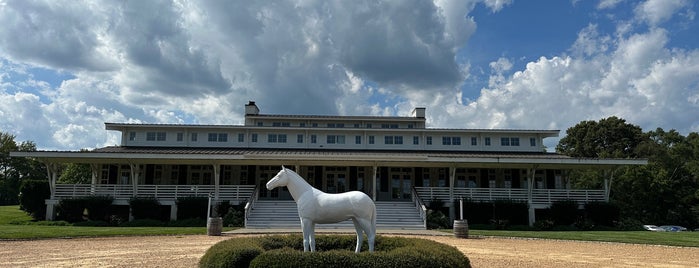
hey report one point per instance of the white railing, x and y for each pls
(123, 191)
(420, 206)
(539, 196)
(250, 205)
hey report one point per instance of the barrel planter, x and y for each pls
(214, 226)
(461, 228)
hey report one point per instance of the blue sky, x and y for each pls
(66, 67)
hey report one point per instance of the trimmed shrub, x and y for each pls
(476, 212)
(512, 212)
(602, 213)
(95, 208)
(145, 208)
(233, 215)
(437, 220)
(192, 207)
(143, 223)
(32, 196)
(332, 251)
(564, 212)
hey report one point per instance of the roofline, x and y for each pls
(329, 157)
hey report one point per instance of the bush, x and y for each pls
(332, 251)
(602, 213)
(234, 216)
(477, 212)
(564, 212)
(188, 223)
(143, 223)
(511, 212)
(192, 207)
(95, 208)
(437, 220)
(145, 208)
(32, 196)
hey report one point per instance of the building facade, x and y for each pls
(390, 158)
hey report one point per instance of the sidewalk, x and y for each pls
(338, 231)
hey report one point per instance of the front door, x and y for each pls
(265, 173)
(336, 180)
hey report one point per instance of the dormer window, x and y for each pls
(156, 136)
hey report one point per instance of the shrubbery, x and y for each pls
(192, 207)
(94, 208)
(332, 251)
(32, 196)
(145, 208)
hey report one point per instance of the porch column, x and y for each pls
(373, 182)
(531, 174)
(217, 180)
(52, 173)
(135, 171)
(450, 204)
(608, 184)
(94, 168)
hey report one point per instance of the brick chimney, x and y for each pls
(251, 109)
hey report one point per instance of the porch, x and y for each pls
(540, 198)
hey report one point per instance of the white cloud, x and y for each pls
(655, 12)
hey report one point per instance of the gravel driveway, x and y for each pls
(185, 251)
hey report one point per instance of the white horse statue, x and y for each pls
(315, 206)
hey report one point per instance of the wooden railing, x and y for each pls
(165, 192)
(420, 206)
(250, 204)
(539, 196)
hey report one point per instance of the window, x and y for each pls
(428, 140)
(368, 125)
(411, 125)
(336, 125)
(357, 139)
(223, 137)
(194, 136)
(514, 141)
(393, 139)
(451, 140)
(532, 141)
(180, 136)
(371, 139)
(156, 136)
(416, 140)
(302, 124)
(241, 137)
(281, 124)
(132, 136)
(487, 141)
(389, 125)
(213, 137)
(259, 124)
(474, 141)
(253, 138)
(505, 141)
(356, 125)
(276, 138)
(333, 139)
(299, 138)
(314, 125)
(314, 139)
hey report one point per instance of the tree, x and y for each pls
(610, 137)
(76, 173)
(14, 170)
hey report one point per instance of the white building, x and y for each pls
(389, 158)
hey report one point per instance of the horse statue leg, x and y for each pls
(309, 236)
(360, 237)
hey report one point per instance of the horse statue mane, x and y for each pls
(315, 206)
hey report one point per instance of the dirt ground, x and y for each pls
(185, 251)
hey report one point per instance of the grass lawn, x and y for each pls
(15, 224)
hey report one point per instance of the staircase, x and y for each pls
(282, 214)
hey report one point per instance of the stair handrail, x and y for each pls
(250, 204)
(420, 206)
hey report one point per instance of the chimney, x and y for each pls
(251, 109)
(419, 112)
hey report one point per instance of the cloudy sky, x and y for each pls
(66, 67)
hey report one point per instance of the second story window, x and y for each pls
(156, 136)
(532, 141)
(314, 139)
(299, 138)
(506, 141)
(357, 139)
(474, 141)
(428, 140)
(194, 136)
(132, 136)
(241, 137)
(335, 139)
(180, 136)
(218, 137)
(451, 140)
(393, 139)
(276, 138)
(253, 137)
(416, 140)
(371, 139)
(487, 141)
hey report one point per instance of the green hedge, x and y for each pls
(192, 207)
(602, 213)
(332, 251)
(145, 208)
(564, 212)
(73, 209)
(32, 198)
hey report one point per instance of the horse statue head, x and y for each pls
(281, 179)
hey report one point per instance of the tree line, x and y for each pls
(666, 191)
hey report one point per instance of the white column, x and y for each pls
(608, 185)
(135, 171)
(373, 181)
(52, 173)
(531, 174)
(450, 204)
(94, 168)
(217, 180)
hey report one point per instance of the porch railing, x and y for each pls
(420, 205)
(539, 196)
(167, 192)
(250, 205)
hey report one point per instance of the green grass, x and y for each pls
(15, 224)
(684, 239)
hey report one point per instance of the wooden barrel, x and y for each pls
(461, 228)
(214, 226)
